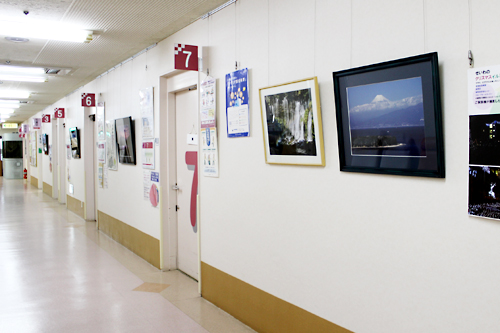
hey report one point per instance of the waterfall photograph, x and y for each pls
(290, 123)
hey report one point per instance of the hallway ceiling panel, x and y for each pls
(121, 29)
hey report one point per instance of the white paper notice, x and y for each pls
(237, 120)
(147, 112)
(210, 154)
(146, 183)
(207, 103)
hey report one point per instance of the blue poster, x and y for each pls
(237, 108)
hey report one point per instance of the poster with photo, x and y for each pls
(484, 142)
(208, 103)
(100, 121)
(111, 152)
(237, 107)
(148, 154)
(210, 154)
(101, 152)
(146, 104)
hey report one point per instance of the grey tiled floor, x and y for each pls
(59, 274)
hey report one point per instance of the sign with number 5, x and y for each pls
(46, 118)
(186, 57)
(88, 100)
(59, 113)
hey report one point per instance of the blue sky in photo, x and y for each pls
(392, 90)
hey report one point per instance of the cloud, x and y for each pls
(380, 103)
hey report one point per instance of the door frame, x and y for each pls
(169, 84)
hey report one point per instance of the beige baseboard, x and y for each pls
(260, 310)
(47, 189)
(75, 206)
(142, 244)
(34, 181)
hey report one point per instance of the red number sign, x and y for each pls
(46, 118)
(186, 57)
(59, 113)
(88, 100)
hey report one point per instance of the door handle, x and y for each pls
(175, 187)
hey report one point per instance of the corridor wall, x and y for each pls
(371, 253)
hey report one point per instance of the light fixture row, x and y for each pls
(45, 30)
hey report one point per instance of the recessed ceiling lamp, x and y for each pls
(17, 39)
(6, 111)
(14, 94)
(45, 30)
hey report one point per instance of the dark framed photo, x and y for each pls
(389, 118)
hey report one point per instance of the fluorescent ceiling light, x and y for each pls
(17, 70)
(45, 30)
(9, 106)
(9, 101)
(14, 94)
(6, 111)
(22, 78)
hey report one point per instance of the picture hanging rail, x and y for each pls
(389, 118)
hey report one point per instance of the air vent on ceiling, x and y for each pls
(57, 71)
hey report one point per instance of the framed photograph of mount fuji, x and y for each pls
(389, 118)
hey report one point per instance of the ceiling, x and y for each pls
(122, 28)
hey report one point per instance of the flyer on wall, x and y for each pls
(111, 152)
(210, 154)
(146, 103)
(207, 102)
(148, 154)
(100, 121)
(101, 152)
(237, 108)
(484, 141)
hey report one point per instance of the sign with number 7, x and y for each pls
(88, 100)
(186, 57)
(59, 113)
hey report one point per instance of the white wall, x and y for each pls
(372, 253)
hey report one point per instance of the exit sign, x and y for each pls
(9, 125)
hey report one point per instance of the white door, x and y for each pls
(186, 123)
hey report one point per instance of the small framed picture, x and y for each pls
(389, 118)
(291, 122)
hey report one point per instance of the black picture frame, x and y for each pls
(397, 134)
(125, 140)
(74, 135)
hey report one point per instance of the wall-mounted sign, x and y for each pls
(9, 125)
(25, 128)
(59, 113)
(186, 57)
(37, 123)
(88, 100)
(46, 118)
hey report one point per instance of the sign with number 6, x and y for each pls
(186, 57)
(88, 100)
(46, 118)
(59, 113)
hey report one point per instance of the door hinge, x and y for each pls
(176, 208)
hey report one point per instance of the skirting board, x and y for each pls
(75, 206)
(34, 181)
(47, 189)
(142, 244)
(260, 310)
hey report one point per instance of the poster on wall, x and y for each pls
(100, 121)
(101, 152)
(100, 175)
(146, 183)
(210, 154)
(37, 123)
(111, 153)
(147, 112)
(207, 102)
(484, 141)
(148, 154)
(237, 108)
